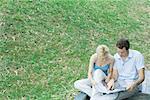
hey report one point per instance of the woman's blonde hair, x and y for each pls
(102, 52)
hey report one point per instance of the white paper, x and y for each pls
(103, 89)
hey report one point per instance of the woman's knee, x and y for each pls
(98, 75)
(77, 84)
(82, 83)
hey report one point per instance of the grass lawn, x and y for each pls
(45, 45)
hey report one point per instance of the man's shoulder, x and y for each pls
(136, 53)
(116, 55)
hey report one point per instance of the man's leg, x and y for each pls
(126, 94)
(84, 85)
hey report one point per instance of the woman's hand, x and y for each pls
(111, 84)
(90, 76)
(91, 79)
(93, 82)
(107, 79)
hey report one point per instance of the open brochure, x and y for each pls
(114, 91)
(103, 89)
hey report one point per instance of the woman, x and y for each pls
(99, 73)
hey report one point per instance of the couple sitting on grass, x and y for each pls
(125, 69)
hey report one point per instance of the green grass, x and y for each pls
(45, 45)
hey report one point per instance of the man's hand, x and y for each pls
(131, 86)
(111, 84)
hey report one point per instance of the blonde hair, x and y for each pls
(102, 52)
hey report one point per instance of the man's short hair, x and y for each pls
(123, 43)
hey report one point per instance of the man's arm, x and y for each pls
(140, 67)
(141, 78)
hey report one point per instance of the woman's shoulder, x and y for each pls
(94, 56)
(111, 58)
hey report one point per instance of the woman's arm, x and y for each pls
(91, 64)
(110, 71)
(114, 77)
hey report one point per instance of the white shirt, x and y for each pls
(128, 69)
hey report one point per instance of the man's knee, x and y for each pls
(126, 94)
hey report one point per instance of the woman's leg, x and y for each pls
(84, 85)
(98, 76)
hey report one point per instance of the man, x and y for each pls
(128, 69)
(128, 72)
